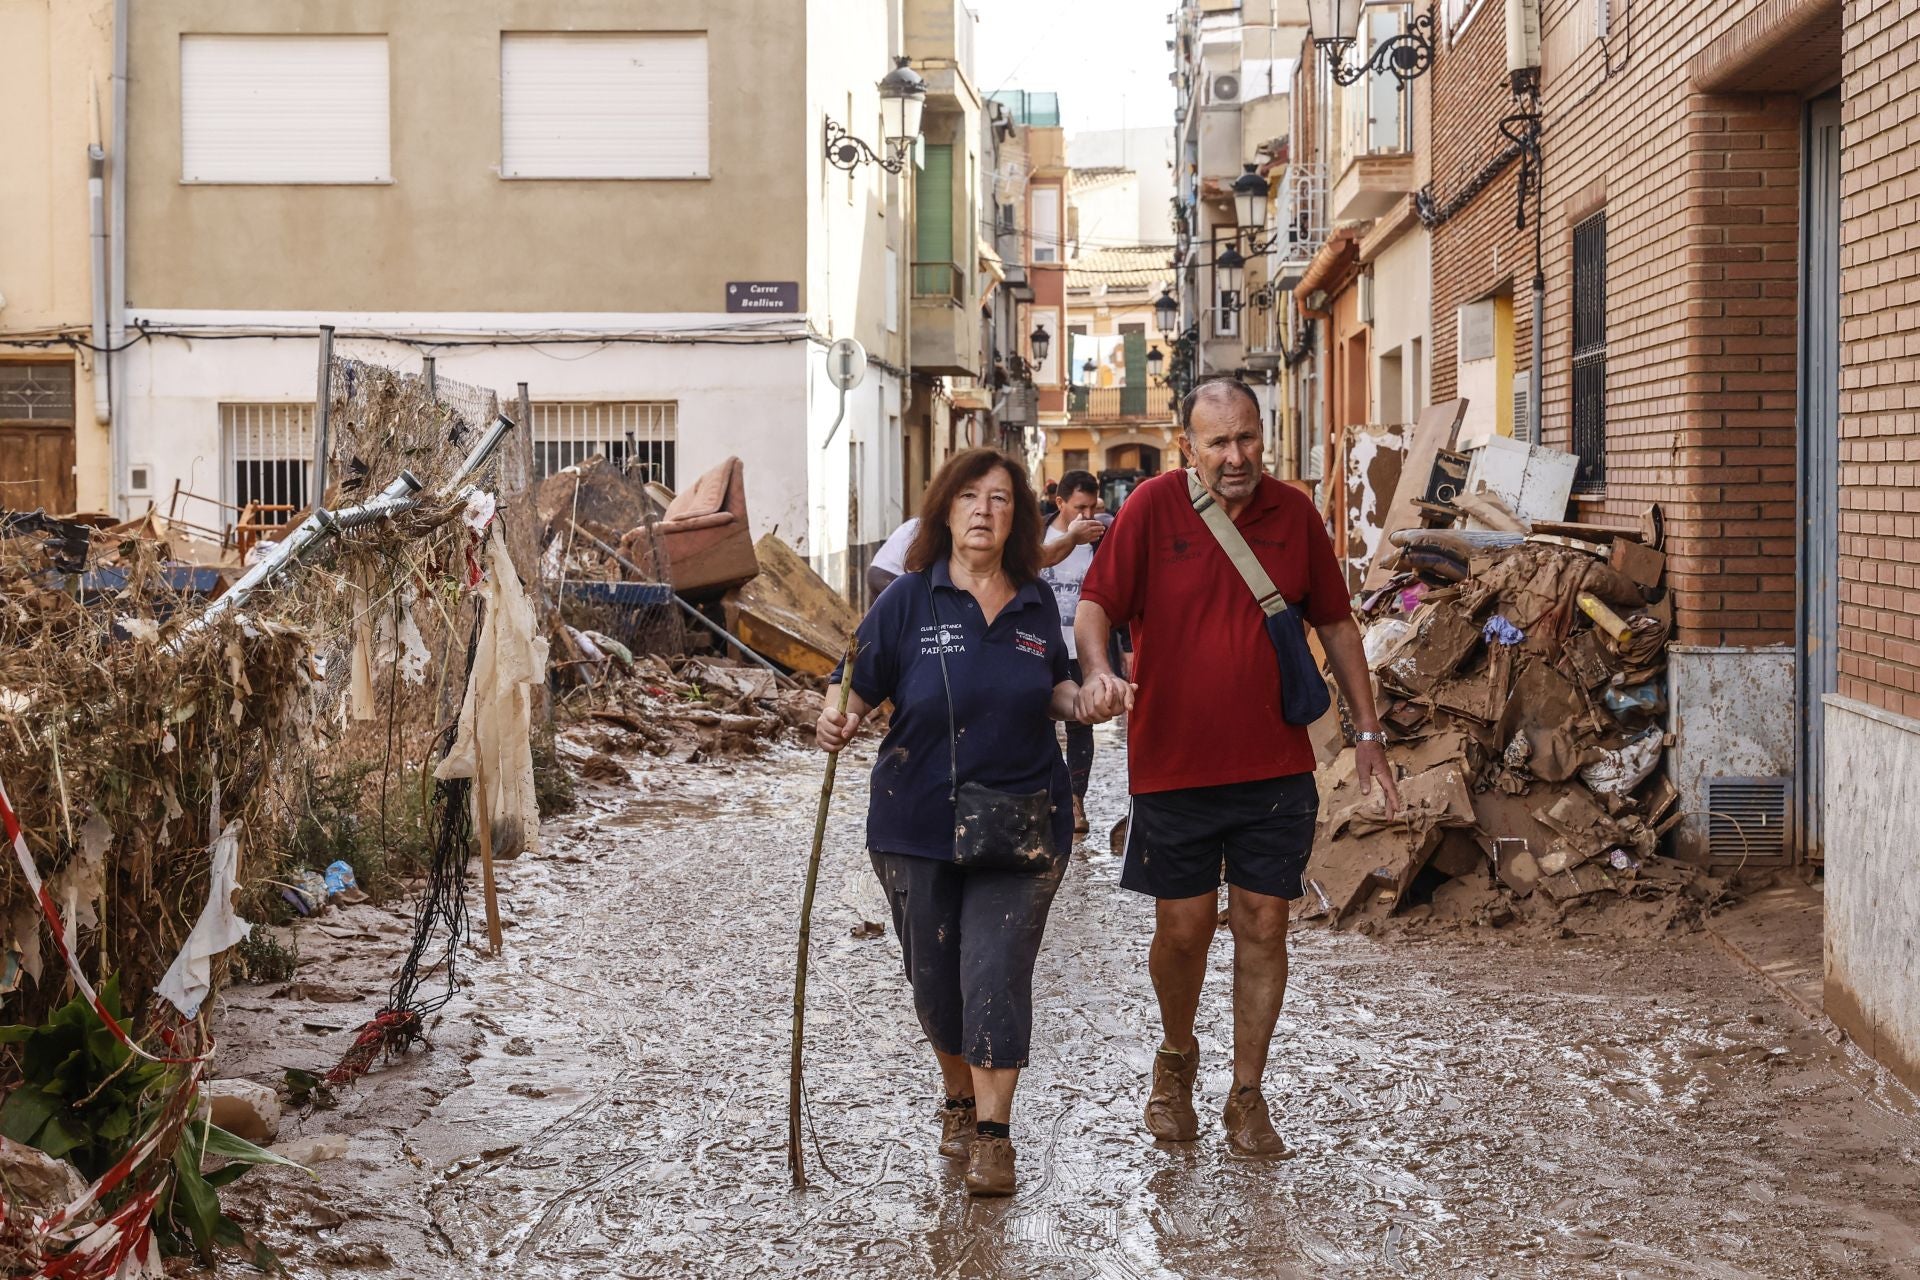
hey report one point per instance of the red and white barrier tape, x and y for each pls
(122, 1242)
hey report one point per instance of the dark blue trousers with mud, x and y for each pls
(970, 939)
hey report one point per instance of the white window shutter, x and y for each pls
(603, 105)
(293, 109)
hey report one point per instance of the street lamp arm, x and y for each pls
(847, 153)
(1407, 55)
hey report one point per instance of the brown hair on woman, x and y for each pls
(933, 541)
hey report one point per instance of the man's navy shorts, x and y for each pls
(1257, 834)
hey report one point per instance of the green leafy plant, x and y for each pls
(82, 1093)
(84, 1097)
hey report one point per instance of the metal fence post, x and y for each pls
(322, 416)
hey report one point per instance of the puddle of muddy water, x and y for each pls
(1457, 1108)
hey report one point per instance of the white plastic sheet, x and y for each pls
(496, 717)
(190, 978)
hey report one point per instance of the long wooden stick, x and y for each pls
(796, 1161)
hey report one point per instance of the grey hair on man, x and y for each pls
(1221, 392)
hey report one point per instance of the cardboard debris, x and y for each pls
(1443, 636)
(1497, 690)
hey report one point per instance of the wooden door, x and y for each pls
(36, 436)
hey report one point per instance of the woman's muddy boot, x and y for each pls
(1079, 816)
(956, 1128)
(1170, 1116)
(990, 1167)
(1249, 1128)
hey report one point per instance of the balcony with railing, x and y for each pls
(944, 330)
(1120, 404)
(1376, 169)
(1299, 222)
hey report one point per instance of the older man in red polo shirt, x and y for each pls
(1220, 780)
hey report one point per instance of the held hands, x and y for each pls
(835, 729)
(1370, 762)
(1104, 696)
(1086, 530)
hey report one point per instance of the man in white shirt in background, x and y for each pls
(890, 561)
(1064, 557)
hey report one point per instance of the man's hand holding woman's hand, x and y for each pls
(836, 728)
(1104, 696)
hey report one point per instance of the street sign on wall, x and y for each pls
(781, 296)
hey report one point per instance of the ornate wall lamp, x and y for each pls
(903, 95)
(1406, 56)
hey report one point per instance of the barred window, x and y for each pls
(645, 432)
(1590, 354)
(269, 456)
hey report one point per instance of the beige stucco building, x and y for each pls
(56, 97)
(627, 204)
(1119, 418)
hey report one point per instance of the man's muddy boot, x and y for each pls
(1079, 816)
(956, 1130)
(1249, 1128)
(1170, 1116)
(990, 1167)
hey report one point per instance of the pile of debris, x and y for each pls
(688, 709)
(1520, 670)
(675, 634)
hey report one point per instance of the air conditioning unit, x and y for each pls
(1225, 87)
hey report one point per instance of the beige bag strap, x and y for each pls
(1221, 525)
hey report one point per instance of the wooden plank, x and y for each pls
(1433, 432)
(789, 614)
(1587, 532)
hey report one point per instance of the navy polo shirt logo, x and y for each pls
(1027, 642)
(940, 637)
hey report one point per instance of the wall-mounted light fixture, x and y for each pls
(1336, 24)
(903, 95)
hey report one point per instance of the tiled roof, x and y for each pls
(1123, 268)
(1100, 175)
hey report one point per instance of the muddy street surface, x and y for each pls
(609, 1098)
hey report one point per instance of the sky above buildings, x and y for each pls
(1107, 60)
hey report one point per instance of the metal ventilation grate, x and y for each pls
(1756, 808)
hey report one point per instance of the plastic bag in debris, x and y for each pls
(612, 648)
(588, 649)
(339, 878)
(1636, 704)
(1498, 629)
(307, 895)
(189, 979)
(1384, 641)
(1621, 770)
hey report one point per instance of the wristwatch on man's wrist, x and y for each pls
(1370, 735)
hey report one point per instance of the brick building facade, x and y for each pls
(1736, 178)
(1872, 723)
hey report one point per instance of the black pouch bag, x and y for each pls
(992, 830)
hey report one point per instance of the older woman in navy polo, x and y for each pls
(971, 602)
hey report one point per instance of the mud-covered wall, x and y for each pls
(1873, 881)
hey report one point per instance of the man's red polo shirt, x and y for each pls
(1208, 710)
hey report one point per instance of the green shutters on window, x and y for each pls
(933, 224)
(1133, 396)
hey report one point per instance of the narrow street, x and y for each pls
(609, 1099)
